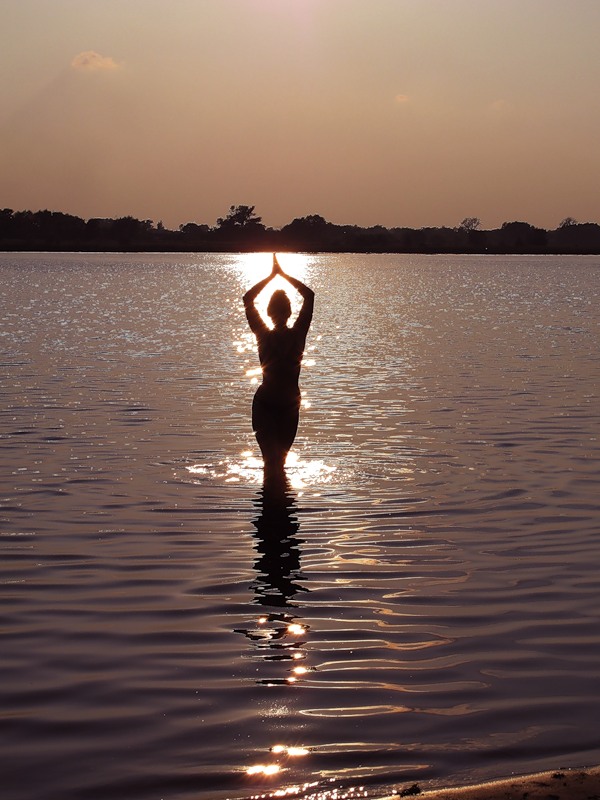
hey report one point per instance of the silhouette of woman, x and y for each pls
(276, 404)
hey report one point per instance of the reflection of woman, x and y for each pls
(277, 547)
(276, 404)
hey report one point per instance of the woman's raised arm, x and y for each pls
(308, 296)
(254, 319)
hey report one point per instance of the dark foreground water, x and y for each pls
(423, 604)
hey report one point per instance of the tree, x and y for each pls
(193, 229)
(129, 230)
(312, 232)
(6, 221)
(522, 237)
(240, 217)
(470, 224)
(567, 222)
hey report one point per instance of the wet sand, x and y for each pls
(569, 784)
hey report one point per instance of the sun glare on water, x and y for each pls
(248, 468)
(253, 267)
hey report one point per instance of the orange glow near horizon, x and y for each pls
(395, 130)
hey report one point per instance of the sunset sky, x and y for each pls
(398, 112)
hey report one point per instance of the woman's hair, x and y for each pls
(279, 304)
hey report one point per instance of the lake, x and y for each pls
(423, 604)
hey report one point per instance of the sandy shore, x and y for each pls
(569, 784)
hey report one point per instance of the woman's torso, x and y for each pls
(280, 352)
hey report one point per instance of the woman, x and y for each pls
(276, 404)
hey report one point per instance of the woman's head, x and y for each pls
(279, 308)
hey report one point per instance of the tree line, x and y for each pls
(242, 230)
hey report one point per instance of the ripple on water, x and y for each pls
(421, 604)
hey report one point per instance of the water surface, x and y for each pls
(423, 605)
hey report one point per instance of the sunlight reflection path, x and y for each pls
(253, 267)
(279, 637)
(301, 473)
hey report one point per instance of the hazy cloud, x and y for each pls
(90, 60)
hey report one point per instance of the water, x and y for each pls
(424, 605)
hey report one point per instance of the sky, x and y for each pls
(408, 113)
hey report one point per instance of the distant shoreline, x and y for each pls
(310, 252)
(243, 231)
